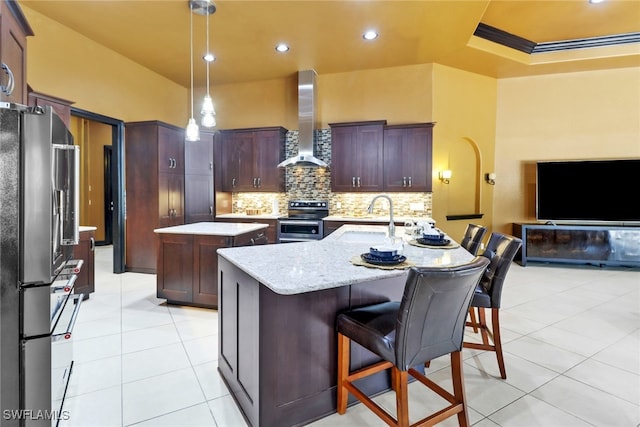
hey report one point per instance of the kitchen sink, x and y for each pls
(364, 237)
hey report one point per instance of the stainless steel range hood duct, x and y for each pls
(307, 122)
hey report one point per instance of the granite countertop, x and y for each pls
(87, 228)
(245, 216)
(293, 268)
(213, 228)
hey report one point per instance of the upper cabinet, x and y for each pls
(407, 157)
(14, 30)
(60, 106)
(371, 156)
(356, 156)
(250, 159)
(199, 198)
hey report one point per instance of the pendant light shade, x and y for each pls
(192, 132)
(208, 112)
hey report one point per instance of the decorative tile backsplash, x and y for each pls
(314, 183)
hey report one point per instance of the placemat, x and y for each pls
(450, 245)
(357, 260)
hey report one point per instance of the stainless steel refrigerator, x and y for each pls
(39, 202)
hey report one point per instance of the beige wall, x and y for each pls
(398, 95)
(587, 115)
(63, 63)
(464, 106)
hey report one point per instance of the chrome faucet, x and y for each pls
(392, 226)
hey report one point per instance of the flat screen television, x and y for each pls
(601, 191)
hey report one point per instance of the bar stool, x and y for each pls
(472, 238)
(427, 323)
(501, 250)
(471, 241)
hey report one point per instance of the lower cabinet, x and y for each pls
(85, 250)
(187, 268)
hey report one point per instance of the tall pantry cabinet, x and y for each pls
(154, 158)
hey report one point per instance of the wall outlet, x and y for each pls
(239, 203)
(338, 205)
(416, 206)
(258, 204)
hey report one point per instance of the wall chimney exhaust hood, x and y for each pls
(307, 122)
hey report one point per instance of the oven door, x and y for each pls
(299, 230)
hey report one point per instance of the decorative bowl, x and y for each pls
(383, 252)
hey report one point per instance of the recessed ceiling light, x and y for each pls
(209, 57)
(281, 47)
(595, 1)
(370, 35)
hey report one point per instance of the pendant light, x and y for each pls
(208, 112)
(192, 132)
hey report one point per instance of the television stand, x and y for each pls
(602, 245)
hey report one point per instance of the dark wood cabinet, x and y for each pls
(14, 30)
(357, 156)
(371, 156)
(579, 244)
(187, 265)
(61, 107)
(85, 250)
(408, 157)
(154, 158)
(174, 268)
(199, 204)
(250, 159)
(271, 232)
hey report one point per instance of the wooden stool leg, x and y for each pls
(402, 396)
(483, 326)
(497, 341)
(343, 372)
(458, 387)
(474, 321)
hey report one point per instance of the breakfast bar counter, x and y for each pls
(277, 309)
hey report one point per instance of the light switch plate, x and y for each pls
(416, 206)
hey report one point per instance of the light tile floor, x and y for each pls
(571, 340)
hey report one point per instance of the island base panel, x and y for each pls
(293, 339)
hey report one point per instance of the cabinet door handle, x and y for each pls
(170, 162)
(259, 182)
(210, 210)
(358, 181)
(353, 181)
(233, 183)
(8, 89)
(210, 165)
(92, 246)
(404, 181)
(409, 181)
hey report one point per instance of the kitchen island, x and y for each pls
(278, 303)
(187, 264)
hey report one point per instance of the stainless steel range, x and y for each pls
(303, 222)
